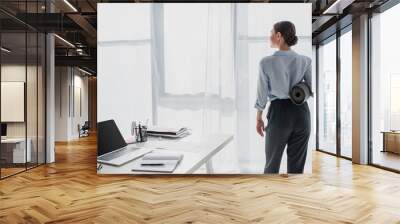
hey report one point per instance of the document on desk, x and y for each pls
(158, 162)
(168, 132)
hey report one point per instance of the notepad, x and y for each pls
(166, 156)
(151, 162)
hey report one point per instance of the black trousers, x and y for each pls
(288, 124)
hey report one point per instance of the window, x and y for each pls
(327, 97)
(346, 94)
(394, 101)
(385, 87)
(194, 54)
(184, 49)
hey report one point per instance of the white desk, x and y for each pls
(18, 154)
(197, 151)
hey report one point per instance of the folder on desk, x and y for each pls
(165, 162)
(169, 132)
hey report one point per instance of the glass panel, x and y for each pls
(22, 68)
(13, 87)
(346, 94)
(31, 89)
(31, 98)
(41, 98)
(327, 97)
(385, 89)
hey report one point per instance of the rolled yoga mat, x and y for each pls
(300, 93)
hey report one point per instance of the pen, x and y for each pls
(140, 132)
(133, 128)
(152, 164)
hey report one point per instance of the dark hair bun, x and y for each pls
(292, 40)
(288, 31)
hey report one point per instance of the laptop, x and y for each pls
(112, 148)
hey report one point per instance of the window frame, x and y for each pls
(334, 37)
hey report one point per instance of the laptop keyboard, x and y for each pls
(128, 152)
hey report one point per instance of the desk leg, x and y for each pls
(209, 167)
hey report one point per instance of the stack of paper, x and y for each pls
(167, 132)
(158, 162)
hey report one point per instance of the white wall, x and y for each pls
(66, 121)
(80, 118)
(61, 103)
(12, 73)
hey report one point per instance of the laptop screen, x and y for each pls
(109, 138)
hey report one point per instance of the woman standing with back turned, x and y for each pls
(288, 123)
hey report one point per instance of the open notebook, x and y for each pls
(165, 162)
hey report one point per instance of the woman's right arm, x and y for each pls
(262, 99)
(259, 123)
(262, 89)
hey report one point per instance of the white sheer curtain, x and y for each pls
(124, 64)
(254, 22)
(204, 61)
(197, 87)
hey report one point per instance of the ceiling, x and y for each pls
(76, 22)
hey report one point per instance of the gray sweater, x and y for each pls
(278, 73)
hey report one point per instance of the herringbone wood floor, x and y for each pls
(69, 191)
